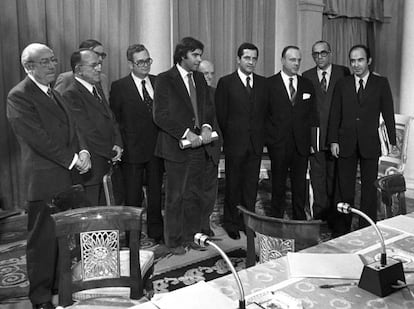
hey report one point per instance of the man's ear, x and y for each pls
(369, 61)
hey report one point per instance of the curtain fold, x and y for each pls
(365, 9)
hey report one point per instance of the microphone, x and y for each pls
(203, 241)
(377, 278)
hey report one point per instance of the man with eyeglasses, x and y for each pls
(322, 164)
(64, 80)
(184, 112)
(52, 152)
(131, 100)
(95, 120)
(291, 117)
(358, 100)
(241, 104)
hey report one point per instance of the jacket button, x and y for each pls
(357, 119)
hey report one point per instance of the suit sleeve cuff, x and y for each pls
(75, 158)
(206, 125)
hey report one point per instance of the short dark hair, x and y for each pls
(76, 58)
(134, 48)
(186, 45)
(361, 46)
(321, 42)
(284, 51)
(89, 44)
(244, 46)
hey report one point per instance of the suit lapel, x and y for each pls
(180, 87)
(245, 102)
(92, 102)
(282, 85)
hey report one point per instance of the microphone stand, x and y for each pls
(377, 278)
(203, 241)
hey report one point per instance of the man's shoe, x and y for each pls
(177, 250)
(160, 251)
(233, 234)
(208, 232)
(47, 305)
(196, 247)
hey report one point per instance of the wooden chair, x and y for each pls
(391, 186)
(101, 262)
(277, 236)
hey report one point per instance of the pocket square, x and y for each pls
(306, 96)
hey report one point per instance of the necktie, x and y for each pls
(49, 93)
(360, 90)
(292, 91)
(323, 82)
(96, 94)
(248, 87)
(193, 97)
(146, 96)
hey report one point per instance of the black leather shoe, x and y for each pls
(194, 246)
(47, 305)
(233, 234)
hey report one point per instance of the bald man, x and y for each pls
(207, 68)
(51, 149)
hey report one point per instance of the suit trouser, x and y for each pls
(322, 172)
(184, 196)
(347, 169)
(134, 181)
(242, 176)
(210, 185)
(41, 252)
(284, 157)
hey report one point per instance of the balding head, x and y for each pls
(39, 61)
(207, 68)
(31, 52)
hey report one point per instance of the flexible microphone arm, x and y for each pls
(347, 209)
(203, 241)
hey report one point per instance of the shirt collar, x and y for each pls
(286, 77)
(328, 71)
(243, 76)
(365, 79)
(85, 84)
(139, 80)
(42, 87)
(183, 72)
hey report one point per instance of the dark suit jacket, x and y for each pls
(283, 118)
(324, 100)
(48, 139)
(352, 123)
(240, 118)
(99, 127)
(136, 123)
(173, 113)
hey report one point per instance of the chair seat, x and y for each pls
(146, 260)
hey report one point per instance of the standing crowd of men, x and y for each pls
(176, 123)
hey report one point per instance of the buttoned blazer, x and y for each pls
(47, 136)
(323, 100)
(285, 120)
(136, 123)
(97, 123)
(173, 113)
(353, 123)
(240, 116)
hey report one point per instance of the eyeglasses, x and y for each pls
(46, 62)
(94, 66)
(102, 55)
(323, 53)
(141, 63)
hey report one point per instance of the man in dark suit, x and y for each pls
(65, 79)
(131, 101)
(358, 101)
(183, 111)
(291, 117)
(322, 164)
(94, 119)
(211, 180)
(241, 103)
(51, 147)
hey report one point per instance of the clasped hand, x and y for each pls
(83, 164)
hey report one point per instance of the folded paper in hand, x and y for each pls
(185, 143)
